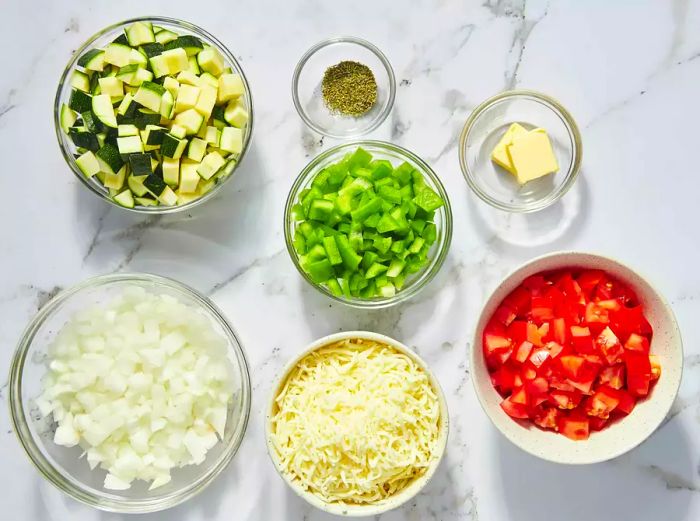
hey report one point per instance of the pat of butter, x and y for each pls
(500, 152)
(532, 156)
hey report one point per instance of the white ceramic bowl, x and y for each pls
(393, 501)
(621, 436)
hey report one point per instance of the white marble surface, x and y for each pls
(627, 70)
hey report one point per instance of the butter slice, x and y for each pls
(500, 152)
(532, 156)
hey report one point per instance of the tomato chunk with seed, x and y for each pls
(569, 351)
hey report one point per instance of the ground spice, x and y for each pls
(349, 88)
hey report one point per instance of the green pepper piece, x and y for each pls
(390, 193)
(387, 224)
(418, 225)
(313, 194)
(317, 252)
(345, 287)
(428, 200)
(334, 287)
(359, 158)
(381, 169)
(369, 291)
(403, 173)
(365, 210)
(375, 269)
(399, 281)
(368, 259)
(388, 290)
(321, 180)
(332, 252)
(372, 220)
(406, 192)
(320, 271)
(320, 210)
(430, 233)
(417, 244)
(398, 246)
(356, 187)
(299, 244)
(395, 268)
(351, 260)
(337, 174)
(382, 244)
(398, 216)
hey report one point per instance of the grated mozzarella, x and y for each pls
(356, 422)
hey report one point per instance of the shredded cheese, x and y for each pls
(356, 422)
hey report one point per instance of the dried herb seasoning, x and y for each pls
(349, 88)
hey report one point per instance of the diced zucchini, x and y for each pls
(178, 131)
(231, 140)
(115, 181)
(145, 201)
(87, 163)
(136, 57)
(167, 105)
(187, 97)
(92, 60)
(210, 165)
(127, 107)
(213, 136)
(194, 66)
(197, 149)
(152, 49)
(211, 61)
(165, 36)
(191, 44)
(135, 184)
(110, 155)
(168, 197)
(103, 109)
(91, 122)
(171, 171)
(112, 87)
(171, 85)
(154, 184)
(176, 60)
(139, 33)
(67, 118)
(140, 164)
(191, 120)
(189, 178)
(117, 54)
(230, 87)
(149, 95)
(159, 65)
(125, 199)
(235, 114)
(205, 102)
(83, 138)
(80, 81)
(121, 39)
(129, 145)
(80, 101)
(209, 79)
(154, 135)
(188, 78)
(172, 147)
(144, 117)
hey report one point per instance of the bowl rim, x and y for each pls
(574, 135)
(63, 141)
(393, 501)
(55, 476)
(476, 358)
(331, 41)
(425, 276)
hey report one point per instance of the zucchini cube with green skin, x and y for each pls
(129, 145)
(171, 171)
(155, 185)
(115, 181)
(139, 33)
(232, 140)
(140, 164)
(159, 66)
(168, 197)
(112, 87)
(210, 164)
(189, 178)
(154, 135)
(175, 59)
(103, 109)
(165, 36)
(110, 155)
(191, 120)
(88, 164)
(189, 78)
(92, 60)
(149, 95)
(191, 44)
(84, 139)
(172, 147)
(206, 101)
(152, 49)
(178, 131)
(125, 199)
(117, 54)
(127, 130)
(167, 105)
(211, 61)
(197, 149)
(187, 97)
(213, 136)
(171, 85)
(80, 101)
(80, 81)
(135, 184)
(144, 117)
(138, 58)
(230, 87)
(68, 118)
(209, 79)
(91, 123)
(235, 114)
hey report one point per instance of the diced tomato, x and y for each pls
(638, 373)
(538, 386)
(503, 379)
(655, 367)
(519, 396)
(573, 427)
(517, 330)
(625, 294)
(529, 371)
(572, 365)
(604, 290)
(533, 334)
(610, 304)
(522, 352)
(637, 342)
(543, 330)
(589, 279)
(539, 356)
(569, 287)
(518, 300)
(546, 417)
(626, 402)
(581, 373)
(565, 399)
(535, 283)
(597, 424)
(602, 403)
(513, 409)
(596, 314)
(613, 376)
(554, 348)
(505, 315)
(561, 384)
(497, 348)
(559, 330)
(581, 339)
(627, 320)
(610, 346)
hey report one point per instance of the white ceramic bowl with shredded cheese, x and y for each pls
(403, 495)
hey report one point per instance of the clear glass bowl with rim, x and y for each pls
(62, 466)
(308, 98)
(101, 39)
(397, 155)
(483, 130)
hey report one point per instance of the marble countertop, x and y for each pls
(628, 71)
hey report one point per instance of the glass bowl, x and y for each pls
(484, 129)
(101, 39)
(306, 87)
(63, 466)
(397, 155)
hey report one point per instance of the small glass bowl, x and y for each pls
(484, 129)
(63, 466)
(397, 155)
(101, 39)
(306, 87)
